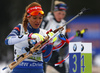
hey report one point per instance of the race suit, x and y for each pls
(19, 38)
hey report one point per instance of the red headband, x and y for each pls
(34, 8)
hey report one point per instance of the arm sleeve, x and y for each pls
(47, 53)
(15, 37)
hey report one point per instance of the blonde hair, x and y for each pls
(59, 2)
(25, 20)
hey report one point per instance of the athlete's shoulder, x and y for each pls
(17, 27)
(49, 16)
(64, 21)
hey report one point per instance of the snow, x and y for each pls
(2, 65)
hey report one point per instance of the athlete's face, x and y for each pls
(35, 21)
(59, 15)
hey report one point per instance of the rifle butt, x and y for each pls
(14, 64)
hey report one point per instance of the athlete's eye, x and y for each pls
(34, 17)
(41, 18)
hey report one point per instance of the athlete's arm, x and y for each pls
(47, 53)
(15, 37)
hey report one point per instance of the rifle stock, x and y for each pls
(60, 28)
(14, 64)
(25, 55)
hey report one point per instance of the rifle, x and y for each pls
(42, 44)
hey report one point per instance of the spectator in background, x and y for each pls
(54, 20)
(29, 29)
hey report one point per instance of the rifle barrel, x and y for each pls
(80, 13)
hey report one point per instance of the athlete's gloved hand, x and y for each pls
(31, 44)
(63, 38)
(36, 36)
(51, 34)
(80, 33)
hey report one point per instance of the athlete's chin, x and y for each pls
(58, 20)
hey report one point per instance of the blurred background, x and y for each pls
(12, 12)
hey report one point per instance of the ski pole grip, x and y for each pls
(83, 10)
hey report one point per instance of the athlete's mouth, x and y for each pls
(36, 24)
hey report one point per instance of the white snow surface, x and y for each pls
(2, 65)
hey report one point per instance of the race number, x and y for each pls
(86, 57)
(74, 57)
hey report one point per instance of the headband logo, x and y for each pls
(34, 8)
